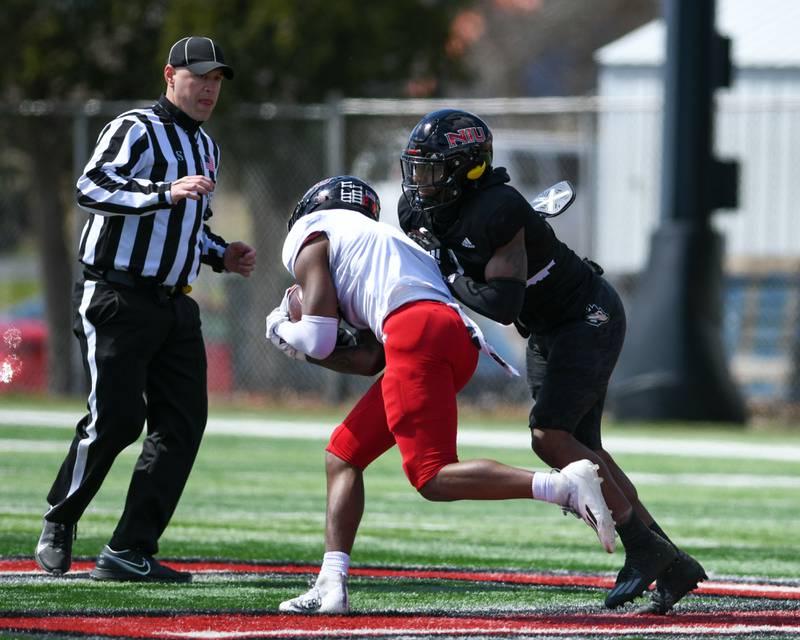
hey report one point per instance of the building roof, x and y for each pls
(764, 33)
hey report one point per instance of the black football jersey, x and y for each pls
(488, 218)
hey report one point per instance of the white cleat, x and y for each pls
(327, 595)
(586, 501)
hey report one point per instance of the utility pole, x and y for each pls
(673, 365)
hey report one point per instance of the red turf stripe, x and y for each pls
(710, 587)
(231, 626)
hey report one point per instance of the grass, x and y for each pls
(263, 499)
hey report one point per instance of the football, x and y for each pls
(295, 302)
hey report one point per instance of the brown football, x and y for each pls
(295, 295)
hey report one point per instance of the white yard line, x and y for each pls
(19, 445)
(726, 480)
(520, 439)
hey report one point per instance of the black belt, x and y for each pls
(127, 279)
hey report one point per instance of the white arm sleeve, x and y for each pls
(313, 335)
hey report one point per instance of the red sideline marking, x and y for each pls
(242, 625)
(710, 587)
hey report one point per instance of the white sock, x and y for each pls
(335, 562)
(550, 487)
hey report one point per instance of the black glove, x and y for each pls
(448, 263)
(424, 238)
(522, 329)
(346, 337)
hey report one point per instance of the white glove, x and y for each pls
(277, 317)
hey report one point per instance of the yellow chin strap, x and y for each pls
(476, 172)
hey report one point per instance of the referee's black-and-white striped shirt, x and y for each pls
(125, 187)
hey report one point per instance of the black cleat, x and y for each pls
(642, 566)
(683, 576)
(54, 549)
(133, 566)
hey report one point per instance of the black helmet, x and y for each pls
(339, 192)
(447, 151)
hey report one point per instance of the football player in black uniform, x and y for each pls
(504, 261)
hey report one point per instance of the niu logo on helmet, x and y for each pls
(465, 136)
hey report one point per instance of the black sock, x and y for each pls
(634, 533)
(656, 529)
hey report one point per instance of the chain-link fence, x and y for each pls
(272, 153)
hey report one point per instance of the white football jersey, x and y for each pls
(375, 267)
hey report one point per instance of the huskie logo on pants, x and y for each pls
(595, 315)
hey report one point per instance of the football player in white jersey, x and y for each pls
(409, 325)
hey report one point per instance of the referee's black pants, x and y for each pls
(145, 359)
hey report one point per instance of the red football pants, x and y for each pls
(429, 359)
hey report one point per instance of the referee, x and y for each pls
(148, 189)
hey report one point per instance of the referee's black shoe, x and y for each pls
(54, 549)
(642, 565)
(683, 576)
(133, 566)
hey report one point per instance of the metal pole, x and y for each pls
(80, 156)
(687, 109)
(337, 387)
(587, 136)
(673, 366)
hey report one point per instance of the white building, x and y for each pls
(757, 123)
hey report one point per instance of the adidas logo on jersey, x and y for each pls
(466, 242)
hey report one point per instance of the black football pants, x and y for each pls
(569, 367)
(145, 360)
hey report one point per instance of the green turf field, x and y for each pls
(263, 499)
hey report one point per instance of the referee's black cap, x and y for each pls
(198, 54)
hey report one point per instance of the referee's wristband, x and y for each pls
(165, 192)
